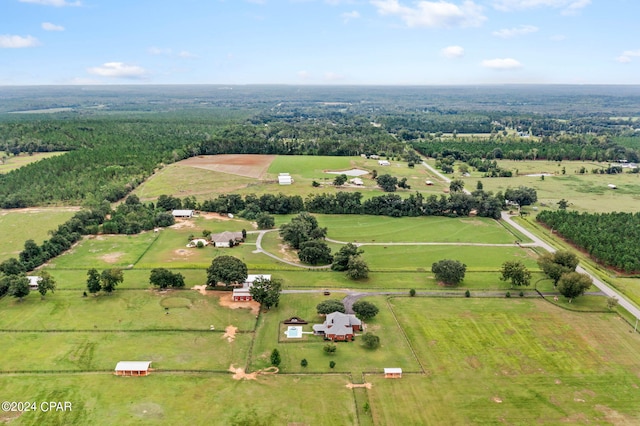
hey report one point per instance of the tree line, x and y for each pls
(600, 234)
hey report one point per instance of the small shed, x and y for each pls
(285, 179)
(33, 281)
(612, 186)
(383, 163)
(133, 368)
(357, 181)
(428, 183)
(182, 213)
(393, 373)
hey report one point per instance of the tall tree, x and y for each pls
(18, 286)
(266, 292)
(329, 306)
(387, 182)
(456, 185)
(357, 268)
(449, 271)
(93, 281)
(46, 283)
(365, 310)
(315, 252)
(574, 284)
(341, 258)
(558, 263)
(228, 270)
(522, 195)
(516, 272)
(110, 278)
(163, 278)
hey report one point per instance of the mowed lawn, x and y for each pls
(511, 361)
(186, 350)
(18, 226)
(365, 228)
(15, 162)
(121, 310)
(76, 279)
(350, 356)
(194, 399)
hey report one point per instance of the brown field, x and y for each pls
(248, 165)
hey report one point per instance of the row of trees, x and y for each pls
(600, 235)
(17, 285)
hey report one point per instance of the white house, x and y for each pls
(33, 281)
(222, 239)
(383, 163)
(285, 179)
(357, 181)
(241, 294)
(182, 213)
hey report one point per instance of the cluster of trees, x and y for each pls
(455, 204)
(132, 217)
(266, 292)
(16, 284)
(251, 206)
(227, 270)
(553, 148)
(348, 259)
(164, 278)
(599, 234)
(106, 281)
(561, 268)
(305, 235)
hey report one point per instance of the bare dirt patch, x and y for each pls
(183, 253)
(248, 165)
(184, 223)
(474, 362)
(614, 417)
(225, 298)
(497, 400)
(112, 257)
(359, 385)
(287, 254)
(240, 374)
(230, 333)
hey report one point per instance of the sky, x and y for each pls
(320, 42)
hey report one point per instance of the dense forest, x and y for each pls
(116, 137)
(601, 235)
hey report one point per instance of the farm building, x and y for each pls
(242, 294)
(393, 373)
(428, 183)
(383, 163)
(357, 181)
(182, 213)
(33, 281)
(612, 186)
(222, 239)
(132, 368)
(338, 326)
(285, 179)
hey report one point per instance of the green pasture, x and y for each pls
(76, 279)
(121, 310)
(182, 181)
(105, 251)
(511, 360)
(350, 356)
(15, 162)
(18, 226)
(588, 192)
(420, 258)
(365, 228)
(196, 399)
(181, 350)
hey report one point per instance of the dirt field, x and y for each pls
(248, 165)
(225, 298)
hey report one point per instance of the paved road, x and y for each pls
(622, 301)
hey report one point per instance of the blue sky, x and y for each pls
(392, 42)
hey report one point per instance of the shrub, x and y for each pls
(521, 294)
(508, 294)
(467, 293)
(332, 364)
(330, 348)
(304, 362)
(412, 292)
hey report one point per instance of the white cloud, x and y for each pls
(304, 75)
(332, 76)
(348, 16)
(118, 70)
(56, 3)
(433, 14)
(48, 26)
(514, 32)
(452, 52)
(186, 54)
(569, 7)
(17, 42)
(502, 64)
(628, 55)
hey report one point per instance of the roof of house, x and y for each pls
(393, 371)
(225, 236)
(34, 280)
(338, 323)
(133, 365)
(251, 278)
(182, 212)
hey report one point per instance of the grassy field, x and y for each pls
(15, 162)
(363, 229)
(122, 310)
(350, 356)
(18, 226)
(213, 399)
(511, 361)
(587, 192)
